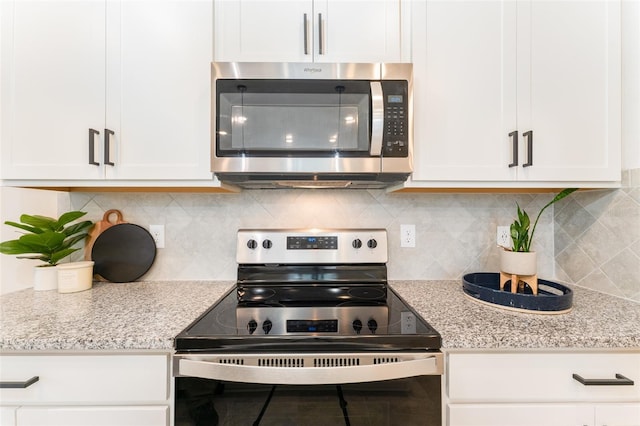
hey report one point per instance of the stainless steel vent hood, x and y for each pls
(311, 125)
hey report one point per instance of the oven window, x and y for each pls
(411, 401)
(292, 117)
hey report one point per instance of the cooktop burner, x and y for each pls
(218, 329)
(311, 294)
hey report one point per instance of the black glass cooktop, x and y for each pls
(216, 331)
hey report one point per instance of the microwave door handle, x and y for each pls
(377, 118)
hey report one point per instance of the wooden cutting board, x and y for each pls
(99, 227)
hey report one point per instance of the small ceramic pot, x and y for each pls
(518, 262)
(75, 276)
(45, 278)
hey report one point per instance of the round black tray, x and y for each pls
(551, 298)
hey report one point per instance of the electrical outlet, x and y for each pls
(407, 235)
(503, 238)
(408, 323)
(157, 232)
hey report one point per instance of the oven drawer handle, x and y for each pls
(620, 380)
(431, 365)
(19, 385)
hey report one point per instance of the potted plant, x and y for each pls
(520, 260)
(48, 240)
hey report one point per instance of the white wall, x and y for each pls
(630, 84)
(16, 274)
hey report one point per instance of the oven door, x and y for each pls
(368, 389)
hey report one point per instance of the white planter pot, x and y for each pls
(45, 278)
(75, 276)
(518, 262)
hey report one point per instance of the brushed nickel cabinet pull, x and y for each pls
(514, 151)
(107, 142)
(92, 146)
(305, 21)
(529, 136)
(620, 380)
(19, 385)
(320, 35)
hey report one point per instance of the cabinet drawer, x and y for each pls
(519, 414)
(94, 416)
(541, 376)
(86, 378)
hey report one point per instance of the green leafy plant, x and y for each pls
(47, 239)
(520, 227)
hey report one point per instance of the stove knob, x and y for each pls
(267, 244)
(373, 325)
(252, 244)
(252, 326)
(357, 325)
(266, 326)
(372, 243)
(356, 243)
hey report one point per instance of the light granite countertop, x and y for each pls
(147, 315)
(596, 320)
(109, 316)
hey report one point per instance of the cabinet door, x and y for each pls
(464, 90)
(95, 416)
(8, 416)
(618, 415)
(353, 31)
(519, 415)
(569, 89)
(308, 31)
(53, 80)
(260, 30)
(158, 89)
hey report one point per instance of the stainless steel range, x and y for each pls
(310, 308)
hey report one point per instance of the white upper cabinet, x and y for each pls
(159, 88)
(115, 90)
(571, 99)
(53, 87)
(308, 31)
(488, 72)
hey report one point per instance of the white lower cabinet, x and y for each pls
(94, 416)
(561, 414)
(118, 389)
(524, 388)
(519, 414)
(618, 415)
(8, 416)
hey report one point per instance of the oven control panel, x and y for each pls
(312, 242)
(317, 246)
(332, 320)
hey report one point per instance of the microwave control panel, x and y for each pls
(395, 140)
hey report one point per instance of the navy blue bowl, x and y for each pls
(485, 286)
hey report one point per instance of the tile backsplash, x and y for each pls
(597, 238)
(455, 233)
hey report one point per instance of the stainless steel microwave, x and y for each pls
(312, 124)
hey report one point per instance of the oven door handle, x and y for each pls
(377, 118)
(430, 365)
